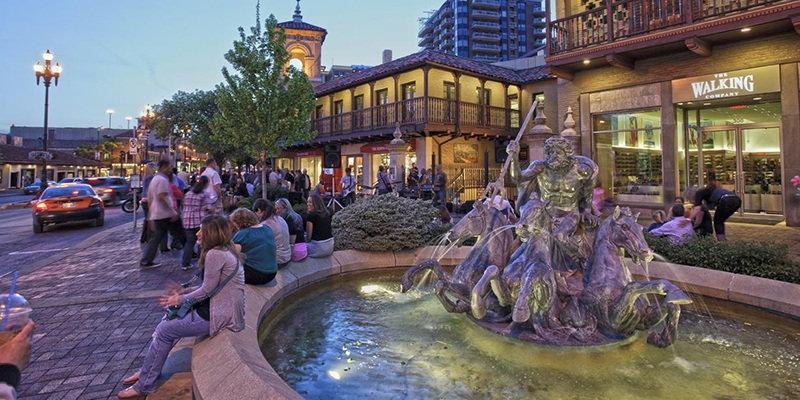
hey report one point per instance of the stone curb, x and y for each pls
(232, 366)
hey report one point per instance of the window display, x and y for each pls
(628, 152)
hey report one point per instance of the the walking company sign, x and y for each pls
(727, 84)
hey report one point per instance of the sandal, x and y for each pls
(129, 393)
(131, 379)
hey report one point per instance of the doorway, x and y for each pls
(745, 159)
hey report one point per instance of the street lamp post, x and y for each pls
(129, 121)
(110, 112)
(47, 72)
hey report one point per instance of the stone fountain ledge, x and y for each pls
(232, 366)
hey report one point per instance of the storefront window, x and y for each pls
(628, 152)
(314, 167)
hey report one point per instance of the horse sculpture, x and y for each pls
(613, 298)
(493, 248)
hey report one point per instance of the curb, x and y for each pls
(83, 245)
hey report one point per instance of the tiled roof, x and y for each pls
(432, 57)
(304, 26)
(16, 154)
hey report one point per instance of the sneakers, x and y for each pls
(150, 265)
(186, 267)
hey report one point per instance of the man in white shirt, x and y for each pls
(679, 230)
(160, 213)
(214, 188)
(348, 187)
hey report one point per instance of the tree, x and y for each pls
(109, 150)
(264, 105)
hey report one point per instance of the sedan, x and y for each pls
(71, 180)
(67, 203)
(112, 189)
(35, 186)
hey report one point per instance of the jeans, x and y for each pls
(349, 199)
(145, 228)
(256, 277)
(320, 248)
(188, 248)
(160, 232)
(166, 334)
(439, 198)
(726, 206)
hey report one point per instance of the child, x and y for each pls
(658, 220)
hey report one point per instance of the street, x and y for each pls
(21, 248)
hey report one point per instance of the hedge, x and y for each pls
(386, 223)
(765, 260)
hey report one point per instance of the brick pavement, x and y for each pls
(95, 312)
(780, 234)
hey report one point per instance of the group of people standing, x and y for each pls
(247, 247)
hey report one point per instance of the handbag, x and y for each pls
(182, 310)
(299, 251)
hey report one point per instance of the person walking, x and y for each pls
(195, 207)
(318, 228)
(184, 175)
(223, 280)
(149, 173)
(214, 188)
(348, 186)
(266, 213)
(257, 242)
(305, 185)
(724, 202)
(440, 187)
(384, 185)
(161, 213)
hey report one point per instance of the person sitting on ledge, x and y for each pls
(257, 242)
(679, 230)
(225, 310)
(265, 211)
(318, 228)
(659, 219)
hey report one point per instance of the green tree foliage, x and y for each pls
(765, 260)
(386, 223)
(109, 150)
(264, 104)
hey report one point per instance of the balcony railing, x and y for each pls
(636, 17)
(418, 111)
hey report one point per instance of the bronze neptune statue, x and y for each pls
(567, 283)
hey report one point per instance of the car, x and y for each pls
(67, 203)
(112, 189)
(70, 180)
(35, 186)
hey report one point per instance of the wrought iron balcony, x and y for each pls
(417, 111)
(629, 18)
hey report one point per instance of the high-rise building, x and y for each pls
(485, 30)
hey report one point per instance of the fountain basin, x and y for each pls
(232, 365)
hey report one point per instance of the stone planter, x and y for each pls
(772, 203)
(752, 202)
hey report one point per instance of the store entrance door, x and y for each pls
(745, 159)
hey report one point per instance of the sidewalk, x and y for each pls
(95, 312)
(11, 192)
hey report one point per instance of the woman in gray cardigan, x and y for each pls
(225, 310)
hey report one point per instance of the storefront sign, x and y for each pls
(309, 153)
(727, 84)
(382, 147)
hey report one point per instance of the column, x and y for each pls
(790, 140)
(457, 79)
(425, 70)
(396, 100)
(330, 111)
(397, 158)
(507, 106)
(669, 147)
(371, 105)
(537, 135)
(586, 125)
(482, 103)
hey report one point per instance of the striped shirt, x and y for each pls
(195, 208)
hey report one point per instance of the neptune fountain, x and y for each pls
(566, 283)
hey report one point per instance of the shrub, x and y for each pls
(765, 260)
(386, 223)
(245, 203)
(273, 193)
(301, 208)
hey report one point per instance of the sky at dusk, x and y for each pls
(122, 54)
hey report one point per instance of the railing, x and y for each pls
(417, 111)
(636, 17)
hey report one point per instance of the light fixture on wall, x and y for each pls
(586, 62)
(747, 29)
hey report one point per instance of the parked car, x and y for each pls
(112, 189)
(70, 180)
(35, 186)
(67, 203)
